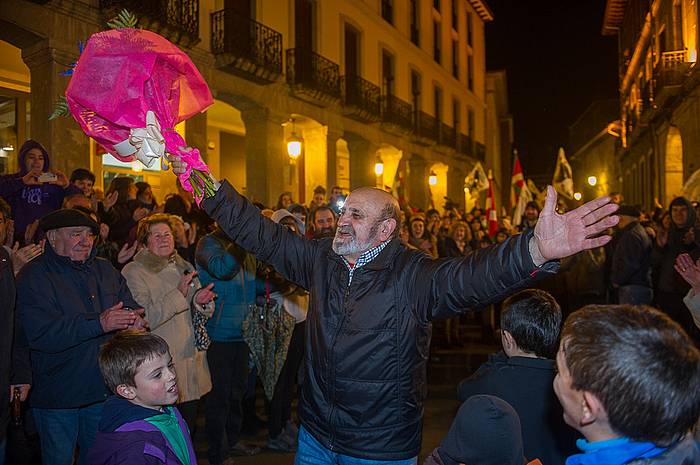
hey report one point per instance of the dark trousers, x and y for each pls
(188, 410)
(281, 404)
(228, 365)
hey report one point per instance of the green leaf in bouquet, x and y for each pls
(125, 19)
(60, 108)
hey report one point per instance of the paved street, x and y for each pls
(445, 370)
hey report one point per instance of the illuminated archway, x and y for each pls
(226, 150)
(673, 165)
(438, 190)
(390, 157)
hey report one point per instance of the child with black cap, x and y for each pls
(486, 431)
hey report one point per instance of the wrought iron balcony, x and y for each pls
(397, 112)
(480, 151)
(674, 68)
(312, 74)
(176, 19)
(246, 47)
(427, 127)
(465, 145)
(361, 98)
(448, 136)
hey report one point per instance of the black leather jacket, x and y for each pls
(367, 344)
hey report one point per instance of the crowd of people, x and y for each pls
(116, 305)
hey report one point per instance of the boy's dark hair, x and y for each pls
(81, 173)
(121, 356)
(640, 364)
(533, 318)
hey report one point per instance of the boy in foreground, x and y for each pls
(139, 425)
(522, 375)
(628, 381)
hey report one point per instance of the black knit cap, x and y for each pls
(66, 218)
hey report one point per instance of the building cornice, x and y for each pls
(613, 17)
(482, 10)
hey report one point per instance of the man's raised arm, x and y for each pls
(488, 276)
(291, 255)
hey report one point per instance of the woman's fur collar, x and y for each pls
(156, 264)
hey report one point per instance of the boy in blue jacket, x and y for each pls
(628, 380)
(139, 424)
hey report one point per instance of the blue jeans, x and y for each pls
(3, 450)
(312, 452)
(634, 295)
(60, 430)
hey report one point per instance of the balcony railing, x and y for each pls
(246, 46)
(397, 112)
(177, 19)
(464, 145)
(312, 73)
(673, 68)
(480, 151)
(361, 97)
(448, 136)
(427, 127)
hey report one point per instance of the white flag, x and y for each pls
(525, 197)
(563, 179)
(477, 180)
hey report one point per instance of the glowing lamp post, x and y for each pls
(433, 179)
(379, 167)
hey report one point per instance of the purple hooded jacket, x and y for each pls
(124, 437)
(30, 203)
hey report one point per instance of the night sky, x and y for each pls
(557, 63)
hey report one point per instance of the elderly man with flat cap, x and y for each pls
(372, 301)
(70, 302)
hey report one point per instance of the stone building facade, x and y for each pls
(361, 82)
(658, 149)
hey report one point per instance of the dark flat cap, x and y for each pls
(66, 218)
(629, 210)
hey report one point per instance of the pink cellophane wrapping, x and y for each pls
(124, 73)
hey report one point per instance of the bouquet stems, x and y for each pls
(202, 185)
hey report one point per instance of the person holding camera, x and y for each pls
(35, 190)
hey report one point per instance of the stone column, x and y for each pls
(417, 174)
(196, 134)
(65, 141)
(266, 157)
(362, 155)
(455, 185)
(332, 165)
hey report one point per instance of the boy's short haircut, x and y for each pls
(81, 173)
(640, 364)
(533, 318)
(121, 356)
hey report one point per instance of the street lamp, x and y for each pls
(378, 166)
(294, 144)
(577, 196)
(432, 179)
(592, 181)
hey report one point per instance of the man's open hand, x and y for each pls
(558, 236)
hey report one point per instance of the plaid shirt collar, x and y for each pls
(364, 259)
